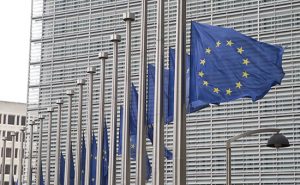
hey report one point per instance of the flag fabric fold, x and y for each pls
(227, 65)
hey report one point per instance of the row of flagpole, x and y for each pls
(11, 171)
(179, 118)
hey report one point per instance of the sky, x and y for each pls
(14, 49)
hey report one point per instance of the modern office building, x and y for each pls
(67, 35)
(12, 120)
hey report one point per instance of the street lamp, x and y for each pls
(276, 141)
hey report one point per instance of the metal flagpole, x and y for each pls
(127, 17)
(57, 149)
(158, 146)
(29, 170)
(179, 161)
(80, 83)
(90, 71)
(47, 179)
(115, 38)
(20, 168)
(3, 160)
(70, 93)
(102, 57)
(38, 178)
(11, 170)
(141, 129)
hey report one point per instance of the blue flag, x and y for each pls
(151, 90)
(82, 160)
(104, 175)
(72, 168)
(41, 179)
(93, 161)
(227, 65)
(62, 169)
(133, 130)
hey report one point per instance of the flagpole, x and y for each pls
(47, 179)
(57, 149)
(179, 148)
(80, 83)
(3, 159)
(70, 94)
(29, 171)
(20, 168)
(102, 57)
(115, 38)
(38, 179)
(11, 170)
(127, 17)
(141, 129)
(90, 71)
(158, 153)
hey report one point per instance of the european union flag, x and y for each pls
(93, 161)
(62, 169)
(104, 175)
(72, 168)
(227, 65)
(42, 178)
(133, 130)
(151, 91)
(167, 111)
(82, 160)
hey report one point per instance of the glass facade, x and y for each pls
(66, 36)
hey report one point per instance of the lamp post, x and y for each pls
(276, 141)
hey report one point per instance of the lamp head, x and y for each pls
(277, 141)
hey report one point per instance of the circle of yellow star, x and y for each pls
(238, 85)
(228, 91)
(218, 44)
(201, 73)
(202, 61)
(208, 50)
(245, 74)
(229, 43)
(246, 61)
(205, 83)
(240, 50)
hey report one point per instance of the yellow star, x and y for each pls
(240, 50)
(245, 74)
(202, 61)
(228, 92)
(246, 61)
(207, 50)
(201, 73)
(238, 85)
(229, 43)
(216, 90)
(132, 146)
(218, 44)
(205, 83)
